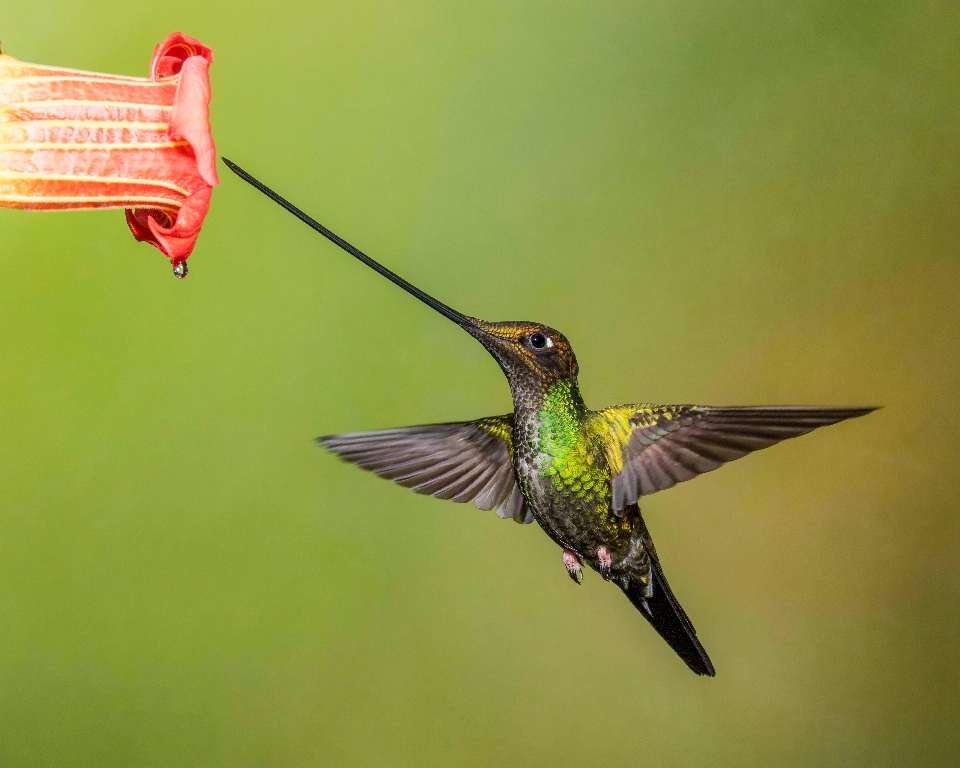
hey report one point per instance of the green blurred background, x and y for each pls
(720, 202)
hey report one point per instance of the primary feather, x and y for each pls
(662, 445)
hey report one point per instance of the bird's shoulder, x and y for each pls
(616, 426)
(498, 426)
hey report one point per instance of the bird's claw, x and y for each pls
(605, 561)
(572, 562)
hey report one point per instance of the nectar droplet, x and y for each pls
(180, 269)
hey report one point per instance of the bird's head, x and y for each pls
(527, 352)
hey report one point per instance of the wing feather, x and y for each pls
(663, 445)
(513, 506)
(496, 489)
(459, 461)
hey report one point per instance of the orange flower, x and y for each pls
(71, 140)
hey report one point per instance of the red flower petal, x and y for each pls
(190, 119)
(177, 238)
(71, 140)
(168, 57)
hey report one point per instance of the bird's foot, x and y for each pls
(606, 562)
(572, 562)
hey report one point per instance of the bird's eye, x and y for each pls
(539, 341)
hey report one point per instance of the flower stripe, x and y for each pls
(34, 146)
(85, 77)
(86, 202)
(59, 122)
(116, 112)
(25, 90)
(132, 183)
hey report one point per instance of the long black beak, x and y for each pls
(443, 309)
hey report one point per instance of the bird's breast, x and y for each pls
(565, 478)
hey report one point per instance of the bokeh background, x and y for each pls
(720, 202)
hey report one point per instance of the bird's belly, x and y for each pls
(585, 531)
(577, 514)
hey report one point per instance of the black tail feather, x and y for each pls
(665, 615)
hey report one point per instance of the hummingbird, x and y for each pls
(578, 473)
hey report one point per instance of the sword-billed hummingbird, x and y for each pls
(578, 473)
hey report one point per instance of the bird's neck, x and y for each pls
(551, 415)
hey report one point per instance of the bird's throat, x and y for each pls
(555, 424)
(563, 461)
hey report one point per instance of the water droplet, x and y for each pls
(180, 269)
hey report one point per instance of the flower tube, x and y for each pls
(72, 140)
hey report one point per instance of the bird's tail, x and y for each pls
(665, 614)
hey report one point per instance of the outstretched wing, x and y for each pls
(654, 447)
(460, 461)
